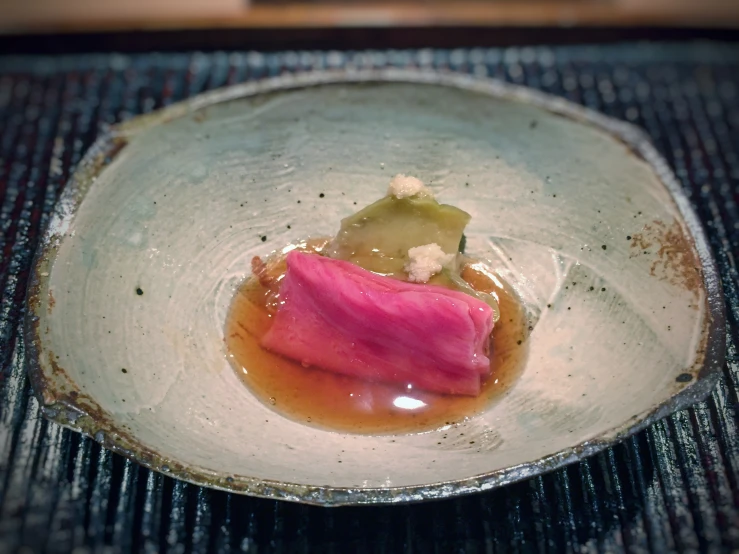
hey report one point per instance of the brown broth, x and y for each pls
(342, 403)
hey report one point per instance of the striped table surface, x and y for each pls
(672, 487)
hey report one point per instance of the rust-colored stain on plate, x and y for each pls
(675, 259)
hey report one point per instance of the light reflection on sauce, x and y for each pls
(342, 403)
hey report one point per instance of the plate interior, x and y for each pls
(135, 284)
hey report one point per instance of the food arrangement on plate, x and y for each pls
(558, 296)
(392, 308)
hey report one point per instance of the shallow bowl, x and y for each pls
(157, 228)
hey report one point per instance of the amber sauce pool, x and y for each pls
(337, 402)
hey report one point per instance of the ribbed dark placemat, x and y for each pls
(672, 487)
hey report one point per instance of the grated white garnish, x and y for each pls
(425, 261)
(403, 186)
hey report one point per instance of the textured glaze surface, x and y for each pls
(144, 287)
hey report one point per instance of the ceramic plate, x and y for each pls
(157, 228)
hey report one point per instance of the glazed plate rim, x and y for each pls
(80, 413)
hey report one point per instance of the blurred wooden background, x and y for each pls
(44, 16)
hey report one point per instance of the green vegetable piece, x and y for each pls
(379, 236)
(452, 276)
